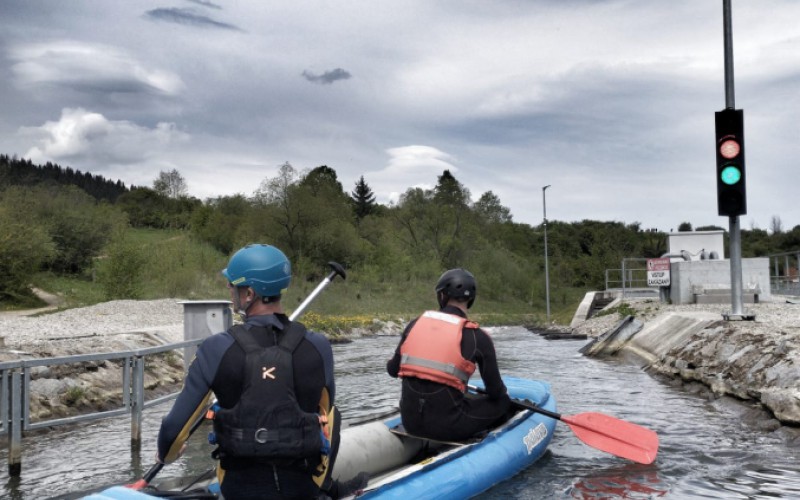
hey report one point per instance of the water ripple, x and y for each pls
(707, 450)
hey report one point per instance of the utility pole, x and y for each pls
(546, 269)
(737, 312)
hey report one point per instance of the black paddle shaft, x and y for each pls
(524, 404)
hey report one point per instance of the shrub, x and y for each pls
(121, 271)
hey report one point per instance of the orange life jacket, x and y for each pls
(432, 350)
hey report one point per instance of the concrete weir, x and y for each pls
(741, 359)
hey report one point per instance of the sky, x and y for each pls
(609, 102)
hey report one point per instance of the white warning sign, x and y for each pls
(658, 272)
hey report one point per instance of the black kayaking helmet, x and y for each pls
(456, 284)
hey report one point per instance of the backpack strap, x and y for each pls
(293, 334)
(247, 338)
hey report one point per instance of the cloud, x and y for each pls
(414, 166)
(91, 139)
(204, 3)
(187, 17)
(89, 67)
(328, 77)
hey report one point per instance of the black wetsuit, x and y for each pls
(219, 368)
(442, 412)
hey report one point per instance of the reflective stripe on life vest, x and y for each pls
(432, 351)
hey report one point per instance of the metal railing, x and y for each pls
(784, 278)
(15, 393)
(201, 318)
(626, 279)
(631, 280)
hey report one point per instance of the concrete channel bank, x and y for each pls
(755, 361)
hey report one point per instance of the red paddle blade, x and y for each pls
(614, 436)
(138, 485)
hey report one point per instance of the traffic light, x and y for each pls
(731, 194)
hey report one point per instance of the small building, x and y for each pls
(700, 273)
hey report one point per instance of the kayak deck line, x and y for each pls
(401, 431)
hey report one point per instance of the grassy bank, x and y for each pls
(170, 265)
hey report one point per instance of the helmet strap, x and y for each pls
(442, 298)
(240, 307)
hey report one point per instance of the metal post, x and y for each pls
(137, 400)
(786, 269)
(546, 267)
(15, 426)
(797, 273)
(736, 271)
(728, 40)
(623, 278)
(203, 318)
(737, 312)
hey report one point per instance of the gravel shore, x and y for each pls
(126, 324)
(105, 327)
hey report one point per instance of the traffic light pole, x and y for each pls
(737, 311)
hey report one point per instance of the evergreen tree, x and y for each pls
(20, 172)
(363, 199)
(449, 191)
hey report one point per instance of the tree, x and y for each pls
(363, 199)
(170, 184)
(121, 273)
(776, 225)
(489, 208)
(685, 227)
(275, 189)
(287, 210)
(310, 219)
(449, 191)
(145, 207)
(320, 179)
(25, 247)
(220, 220)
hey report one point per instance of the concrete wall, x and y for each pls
(716, 274)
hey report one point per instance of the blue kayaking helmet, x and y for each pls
(263, 268)
(456, 284)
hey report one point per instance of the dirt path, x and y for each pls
(53, 302)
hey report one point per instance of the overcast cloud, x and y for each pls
(610, 102)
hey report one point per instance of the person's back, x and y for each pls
(294, 411)
(437, 354)
(274, 385)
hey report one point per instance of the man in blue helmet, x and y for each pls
(273, 381)
(437, 354)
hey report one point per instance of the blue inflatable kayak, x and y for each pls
(407, 467)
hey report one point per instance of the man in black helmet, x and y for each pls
(437, 354)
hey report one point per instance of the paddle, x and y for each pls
(336, 269)
(603, 432)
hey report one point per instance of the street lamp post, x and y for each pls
(546, 269)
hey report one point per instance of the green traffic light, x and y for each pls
(730, 175)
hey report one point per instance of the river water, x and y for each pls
(707, 448)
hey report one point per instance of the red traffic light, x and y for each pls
(729, 133)
(729, 148)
